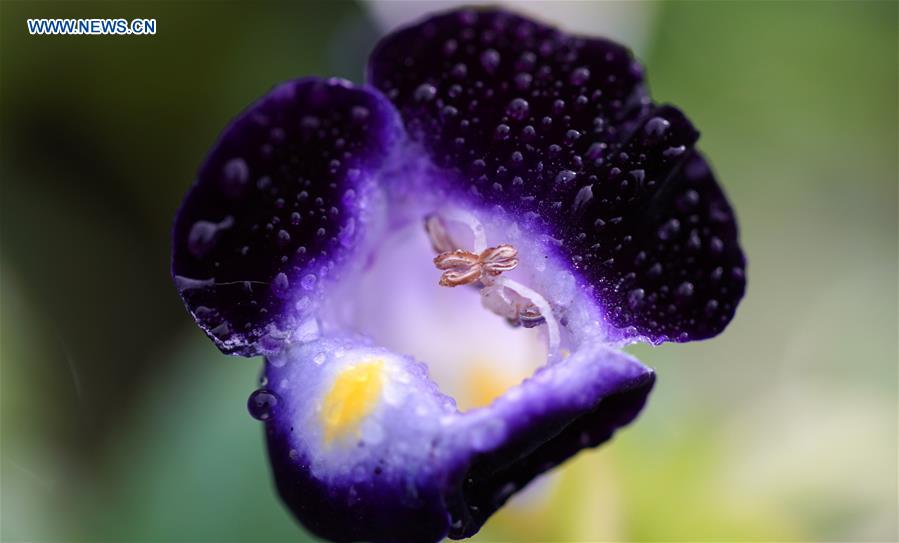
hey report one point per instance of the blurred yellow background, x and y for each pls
(122, 422)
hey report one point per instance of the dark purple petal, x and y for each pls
(277, 205)
(416, 469)
(559, 130)
(562, 410)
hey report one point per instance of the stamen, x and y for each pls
(521, 306)
(466, 218)
(464, 268)
(496, 260)
(552, 326)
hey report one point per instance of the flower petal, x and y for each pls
(408, 466)
(281, 199)
(559, 130)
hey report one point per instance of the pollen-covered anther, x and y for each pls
(464, 267)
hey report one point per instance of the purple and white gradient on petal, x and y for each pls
(440, 268)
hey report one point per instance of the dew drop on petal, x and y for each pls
(308, 281)
(360, 113)
(595, 151)
(635, 297)
(235, 175)
(564, 179)
(657, 126)
(518, 109)
(674, 151)
(580, 76)
(685, 289)
(204, 234)
(281, 285)
(425, 92)
(669, 229)
(523, 81)
(490, 60)
(262, 404)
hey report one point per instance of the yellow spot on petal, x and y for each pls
(352, 398)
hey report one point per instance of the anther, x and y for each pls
(464, 267)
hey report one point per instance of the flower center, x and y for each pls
(518, 304)
(397, 300)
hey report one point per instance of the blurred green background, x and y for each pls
(122, 422)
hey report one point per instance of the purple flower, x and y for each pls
(498, 191)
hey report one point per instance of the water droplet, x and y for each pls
(283, 237)
(635, 297)
(638, 175)
(319, 359)
(583, 197)
(528, 133)
(518, 109)
(669, 229)
(502, 132)
(572, 136)
(595, 151)
(523, 81)
(262, 404)
(688, 200)
(490, 60)
(657, 126)
(527, 61)
(360, 113)
(685, 289)
(564, 178)
(450, 47)
(425, 92)
(579, 76)
(694, 243)
(203, 235)
(674, 151)
(308, 281)
(235, 175)
(281, 285)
